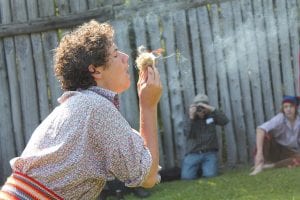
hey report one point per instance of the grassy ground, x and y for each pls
(273, 184)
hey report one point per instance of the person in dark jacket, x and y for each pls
(202, 155)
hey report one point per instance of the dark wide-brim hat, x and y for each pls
(291, 99)
(200, 98)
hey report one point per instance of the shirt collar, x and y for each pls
(108, 94)
(288, 123)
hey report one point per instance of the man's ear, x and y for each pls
(96, 72)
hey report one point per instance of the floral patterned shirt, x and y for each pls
(81, 144)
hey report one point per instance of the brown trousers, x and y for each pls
(278, 154)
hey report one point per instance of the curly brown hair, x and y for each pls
(88, 44)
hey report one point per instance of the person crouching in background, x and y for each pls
(202, 139)
(277, 140)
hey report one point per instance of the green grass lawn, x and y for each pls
(273, 184)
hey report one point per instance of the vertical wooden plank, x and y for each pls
(139, 30)
(273, 52)
(284, 42)
(233, 78)
(140, 37)
(46, 8)
(30, 111)
(6, 127)
(63, 7)
(230, 146)
(128, 98)
(0, 13)
(196, 51)
(18, 11)
(32, 9)
(176, 100)
(293, 21)
(49, 43)
(262, 53)
(78, 6)
(244, 78)
(40, 75)
(15, 98)
(92, 4)
(165, 115)
(5, 12)
(14, 88)
(208, 56)
(131, 2)
(39, 63)
(184, 60)
(26, 73)
(252, 61)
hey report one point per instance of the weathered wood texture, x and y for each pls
(103, 10)
(230, 55)
(242, 53)
(231, 151)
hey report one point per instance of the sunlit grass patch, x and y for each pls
(274, 184)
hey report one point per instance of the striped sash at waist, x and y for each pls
(21, 187)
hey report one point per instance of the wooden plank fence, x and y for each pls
(242, 53)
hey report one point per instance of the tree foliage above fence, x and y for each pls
(242, 53)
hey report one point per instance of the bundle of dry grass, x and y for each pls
(145, 59)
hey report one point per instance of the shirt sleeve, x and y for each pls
(219, 117)
(273, 123)
(122, 148)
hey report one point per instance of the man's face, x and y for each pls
(116, 74)
(289, 110)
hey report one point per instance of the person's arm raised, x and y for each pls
(149, 91)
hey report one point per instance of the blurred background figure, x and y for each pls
(202, 157)
(277, 140)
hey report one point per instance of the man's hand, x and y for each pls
(259, 164)
(209, 108)
(149, 87)
(192, 111)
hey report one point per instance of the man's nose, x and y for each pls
(125, 57)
